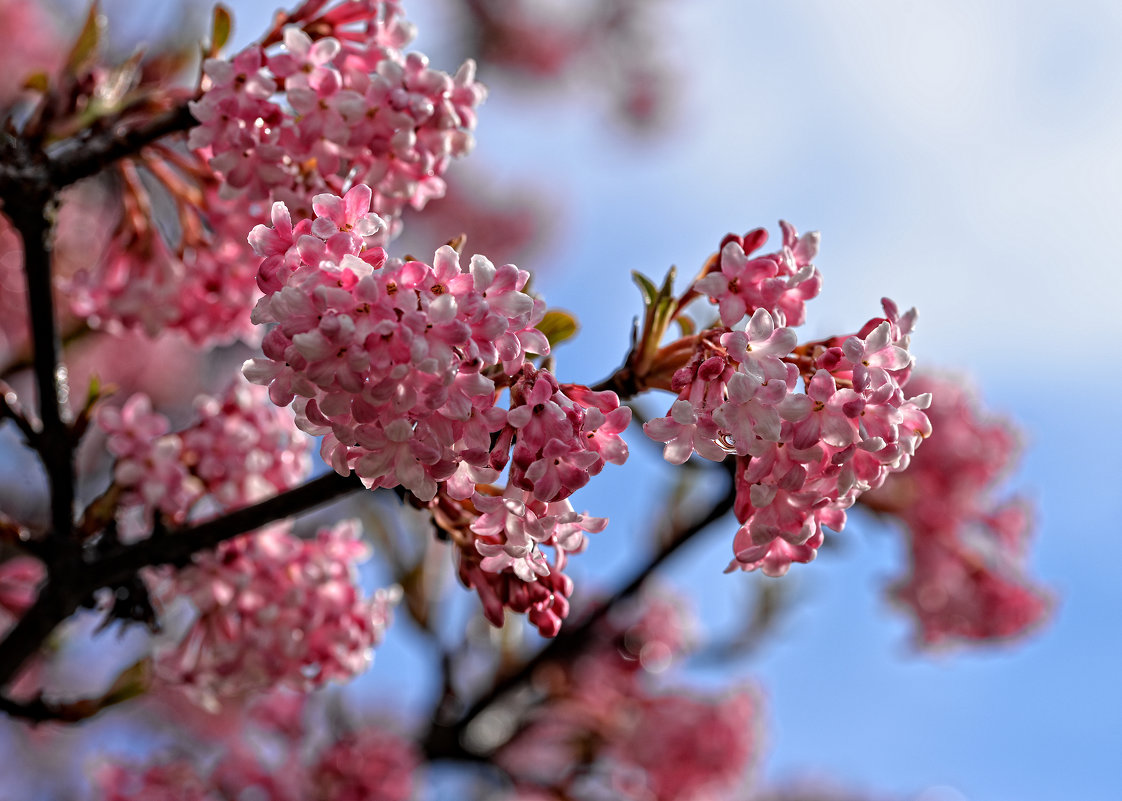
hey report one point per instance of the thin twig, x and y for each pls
(11, 409)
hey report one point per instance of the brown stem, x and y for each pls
(54, 604)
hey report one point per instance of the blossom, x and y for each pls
(967, 580)
(239, 451)
(396, 362)
(779, 283)
(273, 609)
(287, 122)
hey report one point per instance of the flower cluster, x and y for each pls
(370, 765)
(202, 286)
(503, 557)
(281, 122)
(241, 450)
(603, 730)
(968, 580)
(273, 609)
(312, 115)
(260, 759)
(399, 366)
(803, 457)
(780, 282)
(391, 358)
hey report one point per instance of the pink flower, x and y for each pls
(968, 581)
(779, 283)
(272, 609)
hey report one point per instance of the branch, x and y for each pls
(32, 216)
(178, 546)
(10, 408)
(58, 600)
(132, 681)
(80, 157)
(54, 604)
(445, 741)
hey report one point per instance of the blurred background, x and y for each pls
(961, 157)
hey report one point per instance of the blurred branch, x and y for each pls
(132, 681)
(445, 741)
(772, 600)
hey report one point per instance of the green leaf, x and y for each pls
(220, 28)
(667, 289)
(686, 325)
(646, 286)
(558, 325)
(665, 303)
(85, 46)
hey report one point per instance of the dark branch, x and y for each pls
(10, 408)
(34, 711)
(178, 546)
(445, 741)
(82, 156)
(54, 604)
(58, 600)
(32, 219)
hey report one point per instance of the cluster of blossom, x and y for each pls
(502, 554)
(202, 287)
(968, 580)
(271, 609)
(263, 760)
(311, 116)
(241, 450)
(803, 457)
(399, 365)
(282, 122)
(603, 731)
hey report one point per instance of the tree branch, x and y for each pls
(54, 604)
(80, 157)
(178, 546)
(58, 600)
(445, 741)
(32, 219)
